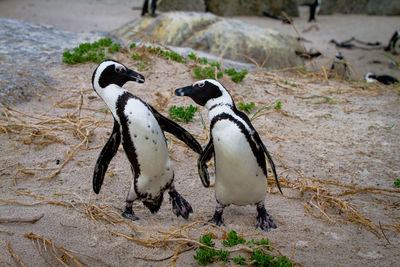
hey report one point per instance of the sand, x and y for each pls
(342, 148)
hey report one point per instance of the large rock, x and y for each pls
(182, 5)
(233, 8)
(371, 7)
(221, 37)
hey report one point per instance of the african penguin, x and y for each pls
(394, 43)
(314, 9)
(240, 168)
(140, 128)
(339, 67)
(370, 77)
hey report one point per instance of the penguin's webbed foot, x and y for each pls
(264, 220)
(179, 205)
(217, 219)
(129, 214)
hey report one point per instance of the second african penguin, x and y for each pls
(240, 168)
(140, 128)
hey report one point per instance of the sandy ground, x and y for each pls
(336, 152)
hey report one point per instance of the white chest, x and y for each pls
(239, 179)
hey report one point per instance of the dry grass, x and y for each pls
(325, 200)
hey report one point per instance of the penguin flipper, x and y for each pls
(107, 153)
(202, 163)
(172, 127)
(271, 162)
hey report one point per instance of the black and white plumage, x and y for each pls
(240, 167)
(371, 77)
(394, 43)
(140, 128)
(314, 9)
(339, 66)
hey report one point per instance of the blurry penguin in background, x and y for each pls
(371, 77)
(394, 43)
(339, 67)
(145, 8)
(314, 9)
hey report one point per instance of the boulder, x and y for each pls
(252, 7)
(371, 7)
(233, 8)
(221, 37)
(182, 5)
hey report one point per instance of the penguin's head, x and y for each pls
(206, 93)
(113, 72)
(370, 77)
(339, 55)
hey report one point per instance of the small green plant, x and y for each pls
(136, 56)
(91, 52)
(240, 260)
(207, 255)
(194, 57)
(215, 64)
(206, 73)
(233, 240)
(236, 76)
(278, 105)
(140, 66)
(182, 114)
(166, 54)
(133, 45)
(246, 107)
(397, 183)
(262, 259)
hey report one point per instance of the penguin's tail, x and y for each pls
(154, 204)
(271, 162)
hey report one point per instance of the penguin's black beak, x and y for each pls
(184, 91)
(134, 76)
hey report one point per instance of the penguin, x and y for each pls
(371, 77)
(314, 9)
(393, 45)
(240, 168)
(140, 128)
(339, 67)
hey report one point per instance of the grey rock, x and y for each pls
(371, 7)
(221, 37)
(182, 5)
(27, 50)
(252, 7)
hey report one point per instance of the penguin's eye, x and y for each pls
(201, 84)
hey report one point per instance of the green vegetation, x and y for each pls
(240, 260)
(182, 114)
(209, 71)
(194, 57)
(246, 107)
(291, 84)
(235, 75)
(166, 54)
(397, 183)
(136, 56)
(91, 52)
(141, 66)
(277, 106)
(133, 45)
(259, 257)
(206, 73)
(233, 240)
